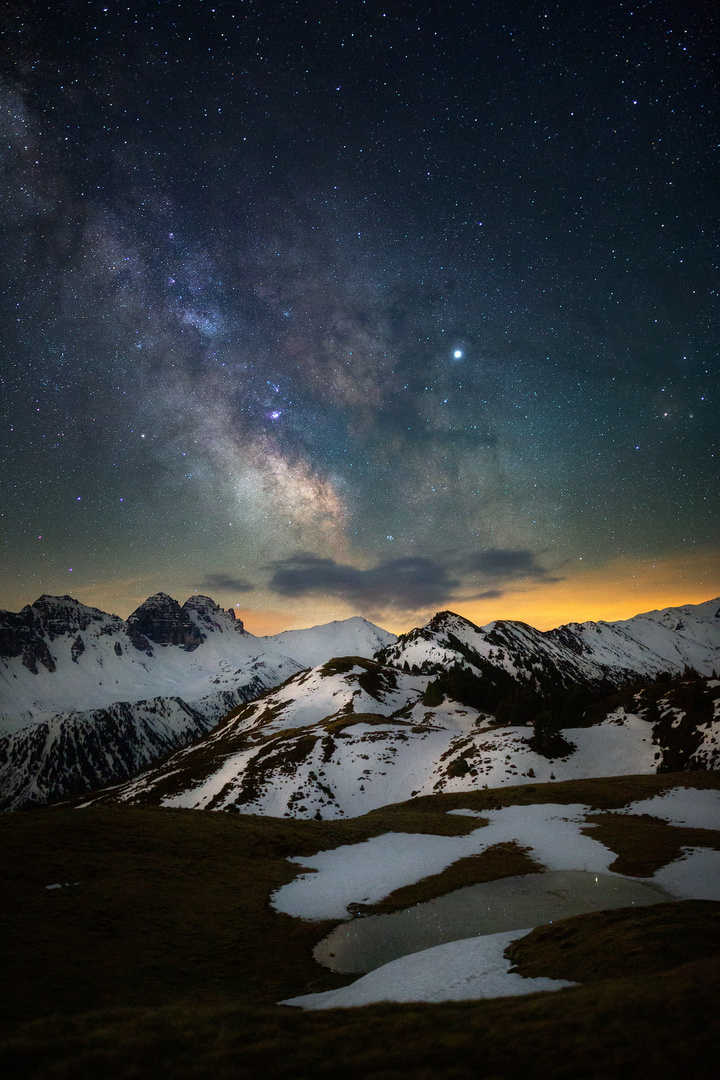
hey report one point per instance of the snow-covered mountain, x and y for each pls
(448, 709)
(349, 637)
(594, 652)
(59, 656)
(87, 698)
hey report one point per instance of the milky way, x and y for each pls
(335, 307)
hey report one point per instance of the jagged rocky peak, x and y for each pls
(60, 615)
(445, 621)
(57, 615)
(442, 623)
(205, 613)
(162, 620)
(27, 632)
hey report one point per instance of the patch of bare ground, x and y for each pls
(644, 844)
(609, 944)
(169, 905)
(601, 793)
(501, 860)
(662, 1026)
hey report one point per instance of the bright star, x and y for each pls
(457, 354)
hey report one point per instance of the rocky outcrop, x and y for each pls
(239, 624)
(63, 615)
(206, 613)
(161, 620)
(27, 632)
(77, 649)
(20, 635)
(36, 652)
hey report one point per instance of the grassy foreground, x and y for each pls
(166, 959)
(662, 1027)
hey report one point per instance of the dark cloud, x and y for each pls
(226, 582)
(406, 583)
(507, 564)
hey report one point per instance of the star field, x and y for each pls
(325, 308)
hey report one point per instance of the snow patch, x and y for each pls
(693, 807)
(365, 873)
(695, 876)
(457, 971)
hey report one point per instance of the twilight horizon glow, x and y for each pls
(334, 308)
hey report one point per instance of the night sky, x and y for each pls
(329, 308)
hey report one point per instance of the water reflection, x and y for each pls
(508, 904)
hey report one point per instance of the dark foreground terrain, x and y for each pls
(160, 956)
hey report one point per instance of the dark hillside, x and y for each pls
(159, 955)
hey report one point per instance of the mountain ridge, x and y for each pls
(153, 650)
(97, 698)
(87, 698)
(477, 707)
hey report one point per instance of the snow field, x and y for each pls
(318, 643)
(367, 872)
(693, 807)
(475, 967)
(471, 968)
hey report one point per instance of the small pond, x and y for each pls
(511, 903)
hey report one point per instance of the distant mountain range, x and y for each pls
(446, 708)
(362, 718)
(87, 698)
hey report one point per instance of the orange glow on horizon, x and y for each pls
(265, 623)
(618, 590)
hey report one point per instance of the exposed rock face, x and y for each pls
(37, 652)
(239, 625)
(78, 648)
(75, 752)
(62, 615)
(206, 613)
(27, 632)
(162, 620)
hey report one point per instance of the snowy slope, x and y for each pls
(64, 756)
(349, 637)
(347, 768)
(658, 641)
(353, 735)
(74, 658)
(87, 698)
(59, 655)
